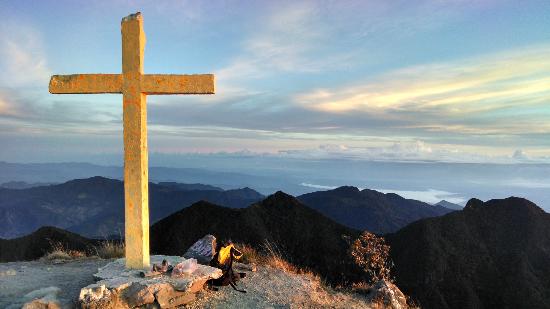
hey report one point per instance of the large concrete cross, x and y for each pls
(134, 86)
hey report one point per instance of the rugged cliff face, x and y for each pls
(492, 254)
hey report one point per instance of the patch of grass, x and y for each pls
(250, 255)
(59, 252)
(110, 249)
(270, 255)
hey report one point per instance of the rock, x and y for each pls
(138, 294)
(168, 297)
(9, 272)
(45, 298)
(240, 267)
(118, 287)
(388, 295)
(203, 249)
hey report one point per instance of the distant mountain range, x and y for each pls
(370, 210)
(62, 172)
(23, 184)
(490, 255)
(94, 207)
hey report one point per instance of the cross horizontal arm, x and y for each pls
(177, 84)
(86, 83)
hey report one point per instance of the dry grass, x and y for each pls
(271, 256)
(106, 250)
(59, 252)
(110, 249)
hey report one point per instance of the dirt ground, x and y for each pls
(17, 279)
(274, 288)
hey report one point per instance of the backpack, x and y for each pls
(223, 259)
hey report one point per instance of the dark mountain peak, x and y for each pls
(202, 204)
(507, 204)
(473, 203)
(95, 180)
(41, 241)
(498, 241)
(49, 229)
(246, 192)
(279, 198)
(346, 190)
(515, 203)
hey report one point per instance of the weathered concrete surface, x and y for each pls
(170, 84)
(119, 287)
(47, 283)
(134, 86)
(136, 173)
(86, 83)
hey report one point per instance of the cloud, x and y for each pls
(520, 155)
(481, 84)
(6, 108)
(430, 196)
(314, 186)
(22, 57)
(406, 151)
(290, 39)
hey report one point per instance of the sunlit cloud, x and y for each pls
(6, 109)
(479, 84)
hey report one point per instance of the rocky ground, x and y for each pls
(22, 281)
(267, 287)
(274, 288)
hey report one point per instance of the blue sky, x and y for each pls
(454, 81)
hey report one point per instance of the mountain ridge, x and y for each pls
(368, 209)
(94, 207)
(303, 235)
(492, 254)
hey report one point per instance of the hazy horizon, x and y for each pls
(426, 181)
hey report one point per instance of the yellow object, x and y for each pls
(225, 253)
(134, 86)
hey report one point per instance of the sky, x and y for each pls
(450, 81)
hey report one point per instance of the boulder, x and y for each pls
(45, 298)
(387, 295)
(118, 287)
(202, 250)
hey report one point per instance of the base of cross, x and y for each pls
(119, 287)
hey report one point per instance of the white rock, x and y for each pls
(118, 287)
(203, 249)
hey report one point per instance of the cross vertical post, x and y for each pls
(136, 183)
